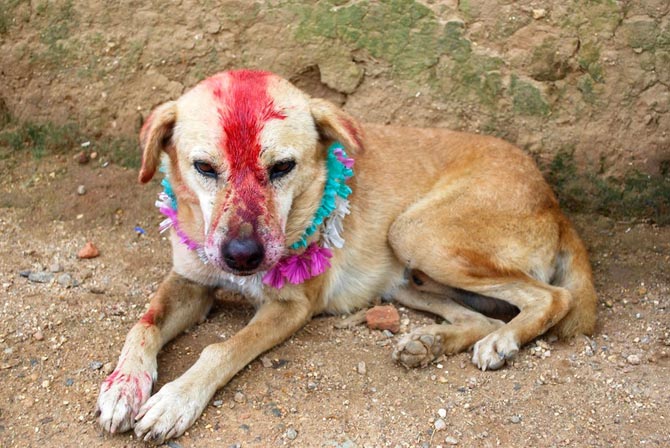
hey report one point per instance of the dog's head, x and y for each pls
(246, 159)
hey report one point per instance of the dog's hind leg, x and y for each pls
(177, 305)
(462, 329)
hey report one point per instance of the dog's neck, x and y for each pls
(324, 231)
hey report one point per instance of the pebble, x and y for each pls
(95, 365)
(383, 317)
(539, 13)
(55, 267)
(515, 419)
(38, 336)
(81, 158)
(633, 360)
(387, 333)
(449, 440)
(65, 280)
(40, 277)
(442, 412)
(361, 368)
(88, 251)
(267, 362)
(440, 424)
(81, 190)
(239, 397)
(291, 433)
(107, 368)
(311, 385)
(45, 384)
(217, 403)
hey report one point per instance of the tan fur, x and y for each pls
(471, 212)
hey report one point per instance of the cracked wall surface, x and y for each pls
(588, 78)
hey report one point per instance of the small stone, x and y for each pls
(311, 385)
(81, 190)
(107, 368)
(173, 444)
(45, 384)
(442, 412)
(539, 13)
(40, 277)
(440, 425)
(65, 280)
(24, 274)
(515, 419)
(38, 335)
(361, 368)
(633, 360)
(383, 317)
(55, 267)
(217, 403)
(88, 251)
(81, 158)
(95, 365)
(387, 333)
(449, 440)
(239, 397)
(69, 382)
(94, 155)
(291, 434)
(267, 362)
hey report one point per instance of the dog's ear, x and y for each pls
(155, 137)
(335, 124)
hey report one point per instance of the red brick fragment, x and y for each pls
(383, 317)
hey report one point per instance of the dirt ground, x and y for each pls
(58, 338)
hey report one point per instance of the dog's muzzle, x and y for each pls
(243, 254)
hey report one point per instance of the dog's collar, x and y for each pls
(314, 260)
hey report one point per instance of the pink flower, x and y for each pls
(274, 277)
(318, 259)
(295, 269)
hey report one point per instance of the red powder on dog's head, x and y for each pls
(244, 107)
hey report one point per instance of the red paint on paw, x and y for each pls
(149, 318)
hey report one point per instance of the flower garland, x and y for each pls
(314, 260)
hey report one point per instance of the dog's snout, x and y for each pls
(243, 254)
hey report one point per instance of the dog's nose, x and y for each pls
(243, 254)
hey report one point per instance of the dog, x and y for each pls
(285, 199)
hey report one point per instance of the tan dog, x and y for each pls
(470, 218)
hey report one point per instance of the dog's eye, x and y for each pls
(205, 169)
(281, 169)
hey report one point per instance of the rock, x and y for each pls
(217, 403)
(24, 274)
(81, 158)
(440, 425)
(81, 190)
(361, 368)
(539, 13)
(46, 384)
(442, 413)
(40, 277)
(239, 397)
(107, 368)
(291, 433)
(65, 280)
(94, 155)
(267, 362)
(38, 335)
(95, 365)
(515, 419)
(383, 317)
(451, 440)
(88, 251)
(55, 267)
(633, 360)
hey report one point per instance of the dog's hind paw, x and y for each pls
(491, 352)
(170, 412)
(418, 348)
(121, 396)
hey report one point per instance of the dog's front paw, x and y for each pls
(491, 352)
(170, 412)
(418, 348)
(121, 396)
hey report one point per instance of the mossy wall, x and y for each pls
(583, 79)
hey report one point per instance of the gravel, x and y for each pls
(41, 277)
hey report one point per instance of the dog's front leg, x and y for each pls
(178, 404)
(178, 304)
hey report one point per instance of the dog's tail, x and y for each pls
(573, 272)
